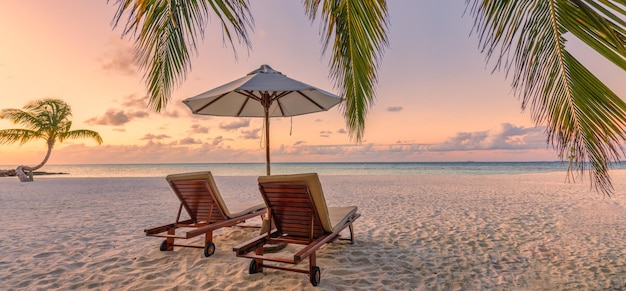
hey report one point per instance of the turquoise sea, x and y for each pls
(257, 169)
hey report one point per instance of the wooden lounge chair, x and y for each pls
(297, 208)
(207, 212)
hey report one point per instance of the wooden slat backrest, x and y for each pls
(198, 199)
(292, 210)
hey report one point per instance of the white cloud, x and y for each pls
(504, 136)
(189, 140)
(241, 123)
(197, 128)
(506, 142)
(116, 117)
(120, 59)
(217, 140)
(325, 133)
(250, 134)
(150, 136)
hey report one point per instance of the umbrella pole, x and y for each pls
(267, 141)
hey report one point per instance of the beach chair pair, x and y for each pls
(294, 206)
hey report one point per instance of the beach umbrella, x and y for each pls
(265, 93)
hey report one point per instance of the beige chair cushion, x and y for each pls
(315, 187)
(340, 215)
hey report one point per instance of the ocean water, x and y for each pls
(258, 169)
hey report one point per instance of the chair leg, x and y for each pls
(315, 274)
(312, 261)
(259, 262)
(351, 233)
(209, 246)
(170, 240)
(208, 237)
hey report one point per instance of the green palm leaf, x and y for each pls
(20, 117)
(166, 32)
(358, 31)
(583, 116)
(8, 136)
(81, 134)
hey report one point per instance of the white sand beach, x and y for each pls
(426, 232)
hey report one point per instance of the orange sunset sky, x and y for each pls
(437, 99)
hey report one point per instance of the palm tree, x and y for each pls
(526, 38)
(46, 119)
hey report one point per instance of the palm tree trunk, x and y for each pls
(21, 174)
(21, 171)
(50, 145)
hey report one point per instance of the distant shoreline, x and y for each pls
(11, 173)
(344, 168)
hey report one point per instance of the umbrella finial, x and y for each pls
(265, 69)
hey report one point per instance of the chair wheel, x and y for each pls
(209, 249)
(163, 246)
(316, 275)
(253, 269)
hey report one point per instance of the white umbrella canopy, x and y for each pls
(265, 93)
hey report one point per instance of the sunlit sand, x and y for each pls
(417, 232)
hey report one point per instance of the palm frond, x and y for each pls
(583, 116)
(21, 117)
(358, 31)
(598, 26)
(166, 33)
(8, 136)
(51, 113)
(81, 134)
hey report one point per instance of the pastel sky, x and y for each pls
(437, 100)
